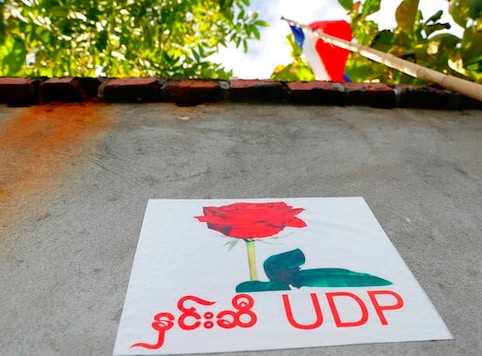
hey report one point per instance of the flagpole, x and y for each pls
(450, 82)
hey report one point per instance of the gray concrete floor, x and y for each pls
(71, 209)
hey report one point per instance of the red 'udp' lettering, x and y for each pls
(380, 308)
(336, 315)
(289, 313)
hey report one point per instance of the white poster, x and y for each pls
(239, 275)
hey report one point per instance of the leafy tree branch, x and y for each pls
(166, 38)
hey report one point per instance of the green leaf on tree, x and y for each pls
(370, 7)
(347, 4)
(147, 38)
(406, 14)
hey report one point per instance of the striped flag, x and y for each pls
(326, 60)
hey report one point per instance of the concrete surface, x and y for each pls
(75, 181)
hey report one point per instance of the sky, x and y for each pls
(264, 55)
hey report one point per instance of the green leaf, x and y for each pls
(284, 271)
(470, 45)
(474, 68)
(101, 43)
(336, 277)
(475, 11)
(365, 32)
(435, 17)
(370, 7)
(405, 15)
(16, 57)
(292, 73)
(232, 243)
(58, 11)
(196, 55)
(261, 23)
(475, 61)
(459, 9)
(383, 41)
(256, 33)
(347, 4)
(442, 43)
(430, 29)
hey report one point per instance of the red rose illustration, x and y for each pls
(251, 220)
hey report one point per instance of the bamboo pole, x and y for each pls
(450, 82)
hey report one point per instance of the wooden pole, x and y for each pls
(450, 82)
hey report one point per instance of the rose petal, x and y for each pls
(296, 222)
(251, 220)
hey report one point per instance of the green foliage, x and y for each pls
(414, 39)
(299, 69)
(406, 15)
(370, 7)
(167, 38)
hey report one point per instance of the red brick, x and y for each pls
(18, 91)
(189, 92)
(466, 102)
(90, 86)
(68, 89)
(376, 95)
(426, 97)
(132, 90)
(316, 93)
(257, 91)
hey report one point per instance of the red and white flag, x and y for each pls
(326, 60)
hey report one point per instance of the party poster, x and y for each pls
(266, 274)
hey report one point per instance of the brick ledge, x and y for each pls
(188, 92)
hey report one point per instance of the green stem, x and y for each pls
(250, 246)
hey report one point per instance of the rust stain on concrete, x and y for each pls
(38, 147)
